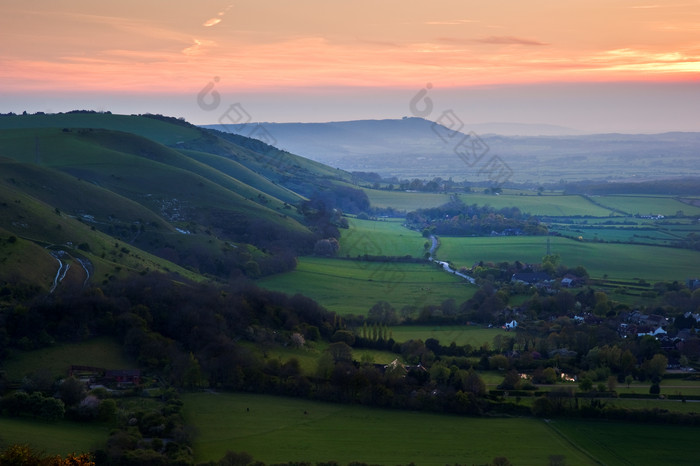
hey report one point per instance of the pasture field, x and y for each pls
(308, 356)
(99, 352)
(380, 238)
(277, 430)
(353, 287)
(549, 205)
(647, 205)
(675, 406)
(668, 387)
(52, 438)
(644, 234)
(617, 261)
(405, 201)
(460, 335)
(627, 443)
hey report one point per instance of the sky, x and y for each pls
(594, 65)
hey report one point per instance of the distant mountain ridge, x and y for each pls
(419, 148)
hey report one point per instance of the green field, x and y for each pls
(98, 352)
(460, 335)
(551, 205)
(353, 287)
(647, 205)
(632, 444)
(548, 205)
(309, 355)
(617, 261)
(405, 201)
(52, 438)
(661, 236)
(276, 430)
(380, 238)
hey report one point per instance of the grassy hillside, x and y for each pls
(52, 438)
(142, 171)
(158, 184)
(102, 352)
(166, 132)
(245, 175)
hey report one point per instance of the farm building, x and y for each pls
(124, 377)
(530, 278)
(98, 375)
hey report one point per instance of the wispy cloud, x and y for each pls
(211, 22)
(196, 47)
(627, 59)
(216, 19)
(509, 40)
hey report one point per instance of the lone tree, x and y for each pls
(340, 352)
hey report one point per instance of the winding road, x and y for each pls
(64, 265)
(446, 266)
(62, 268)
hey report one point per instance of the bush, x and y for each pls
(542, 407)
(236, 459)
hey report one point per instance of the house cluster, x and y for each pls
(544, 281)
(397, 367)
(637, 324)
(97, 376)
(508, 232)
(531, 278)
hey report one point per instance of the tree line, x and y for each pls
(458, 219)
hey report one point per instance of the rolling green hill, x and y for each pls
(177, 197)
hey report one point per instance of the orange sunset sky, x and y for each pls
(595, 65)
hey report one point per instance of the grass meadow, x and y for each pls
(617, 261)
(551, 205)
(622, 443)
(380, 238)
(353, 287)
(53, 438)
(405, 201)
(548, 204)
(460, 335)
(309, 355)
(99, 352)
(276, 430)
(647, 205)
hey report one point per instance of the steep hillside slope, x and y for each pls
(97, 185)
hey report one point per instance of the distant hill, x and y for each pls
(119, 194)
(418, 148)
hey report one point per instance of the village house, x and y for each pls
(530, 278)
(99, 376)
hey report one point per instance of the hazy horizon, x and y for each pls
(596, 66)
